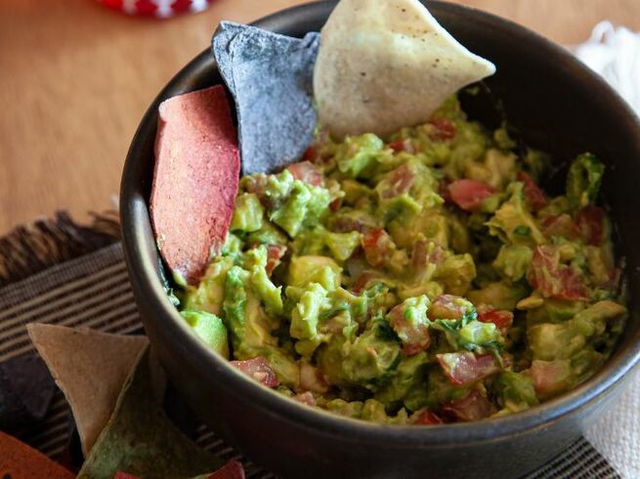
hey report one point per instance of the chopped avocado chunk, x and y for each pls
(209, 328)
(208, 295)
(583, 180)
(305, 317)
(358, 155)
(549, 341)
(269, 293)
(371, 357)
(501, 295)
(513, 223)
(248, 214)
(294, 204)
(516, 391)
(352, 409)
(319, 241)
(304, 270)
(513, 261)
(456, 273)
(410, 373)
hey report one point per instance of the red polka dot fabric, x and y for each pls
(156, 8)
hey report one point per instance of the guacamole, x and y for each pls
(420, 278)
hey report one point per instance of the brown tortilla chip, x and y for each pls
(90, 368)
(140, 439)
(195, 181)
(19, 461)
(383, 65)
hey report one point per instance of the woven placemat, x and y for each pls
(60, 273)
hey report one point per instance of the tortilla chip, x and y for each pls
(90, 367)
(26, 390)
(141, 440)
(386, 65)
(19, 461)
(270, 77)
(195, 180)
(231, 470)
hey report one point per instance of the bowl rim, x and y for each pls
(147, 283)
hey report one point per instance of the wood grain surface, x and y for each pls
(75, 79)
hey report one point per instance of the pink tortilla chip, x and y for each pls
(196, 179)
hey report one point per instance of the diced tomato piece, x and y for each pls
(306, 397)
(469, 194)
(424, 254)
(345, 224)
(397, 145)
(372, 238)
(590, 220)
(473, 407)
(573, 286)
(335, 204)
(550, 377)
(312, 378)
(502, 319)
(307, 172)
(401, 145)
(555, 280)
(124, 475)
(398, 181)
(258, 369)
(231, 470)
(364, 280)
(415, 338)
(448, 306)
(444, 129)
(377, 245)
(560, 225)
(411, 349)
(535, 197)
(312, 155)
(466, 368)
(427, 418)
(275, 252)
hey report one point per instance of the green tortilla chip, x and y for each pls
(140, 439)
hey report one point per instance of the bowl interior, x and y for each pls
(554, 102)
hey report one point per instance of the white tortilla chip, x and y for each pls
(386, 64)
(90, 367)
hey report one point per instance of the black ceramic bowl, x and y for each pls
(559, 106)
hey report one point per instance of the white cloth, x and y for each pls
(614, 53)
(616, 435)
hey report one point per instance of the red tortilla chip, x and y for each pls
(196, 179)
(231, 470)
(19, 461)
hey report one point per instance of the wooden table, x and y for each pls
(75, 79)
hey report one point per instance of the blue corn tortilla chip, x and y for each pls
(270, 77)
(26, 390)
